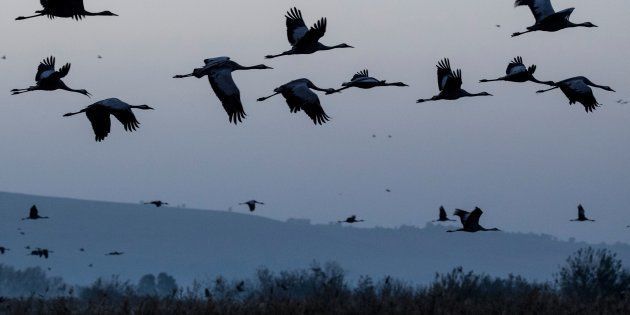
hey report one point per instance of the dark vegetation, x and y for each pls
(590, 282)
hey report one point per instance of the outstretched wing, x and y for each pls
(443, 215)
(473, 218)
(296, 28)
(540, 8)
(303, 98)
(101, 123)
(581, 212)
(33, 213)
(361, 74)
(313, 35)
(229, 95)
(127, 119)
(447, 78)
(45, 68)
(463, 215)
(516, 66)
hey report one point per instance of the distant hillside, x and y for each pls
(197, 244)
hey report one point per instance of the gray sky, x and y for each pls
(526, 159)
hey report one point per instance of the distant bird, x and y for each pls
(90, 265)
(389, 136)
(517, 72)
(98, 114)
(47, 79)
(373, 136)
(99, 57)
(470, 221)
(114, 254)
(219, 71)
(65, 9)
(299, 97)
(251, 204)
(450, 84)
(351, 219)
(388, 190)
(623, 102)
(3, 250)
(443, 217)
(81, 249)
(33, 214)
(4, 57)
(156, 203)
(363, 80)
(547, 19)
(578, 90)
(302, 39)
(41, 253)
(498, 25)
(582, 215)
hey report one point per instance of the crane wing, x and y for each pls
(44, 67)
(296, 28)
(101, 123)
(127, 119)
(300, 97)
(473, 218)
(540, 8)
(313, 35)
(361, 74)
(33, 213)
(447, 78)
(443, 215)
(463, 215)
(228, 93)
(516, 66)
(581, 212)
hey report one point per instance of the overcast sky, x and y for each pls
(526, 159)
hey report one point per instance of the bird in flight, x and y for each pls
(578, 90)
(517, 72)
(363, 80)
(156, 203)
(351, 219)
(3, 250)
(219, 71)
(33, 214)
(73, 9)
(299, 96)
(99, 112)
(547, 19)
(114, 253)
(450, 84)
(443, 217)
(305, 40)
(582, 215)
(252, 204)
(41, 253)
(470, 221)
(47, 79)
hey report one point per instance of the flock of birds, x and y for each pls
(300, 94)
(468, 219)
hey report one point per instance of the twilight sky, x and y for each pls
(526, 159)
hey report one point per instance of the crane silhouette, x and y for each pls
(443, 217)
(305, 40)
(73, 9)
(33, 214)
(363, 80)
(517, 72)
(251, 204)
(98, 114)
(115, 253)
(470, 221)
(41, 253)
(450, 84)
(219, 71)
(3, 250)
(547, 19)
(299, 97)
(582, 215)
(351, 219)
(156, 203)
(578, 90)
(47, 79)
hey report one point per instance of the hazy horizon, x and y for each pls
(526, 159)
